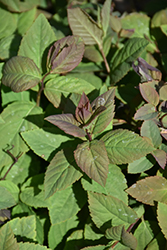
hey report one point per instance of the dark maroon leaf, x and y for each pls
(65, 54)
(84, 110)
(67, 123)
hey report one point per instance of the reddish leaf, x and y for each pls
(160, 156)
(92, 158)
(84, 110)
(149, 94)
(65, 54)
(67, 123)
(150, 189)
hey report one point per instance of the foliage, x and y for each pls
(83, 126)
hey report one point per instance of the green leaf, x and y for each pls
(7, 199)
(20, 73)
(18, 117)
(104, 119)
(65, 54)
(84, 26)
(19, 6)
(9, 26)
(141, 165)
(31, 246)
(163, 92)
(25, 20)
(115, 184)
(61, 173)
(62, 206)
(149, 94)
(128, 239)
(164, 28)
(46, 141)
(104, 208)
(92, 158)
(24, 227)
(11, 188)
(114, 232)
(61, 86)
(124, 146)
(157, 243)
(146, 112)
(93, 54)
(143, 234)
(150, 129)
(162, 214)
(32, 197)
(61, 229)
(150, 189)
(37, 39)
(98, 247)
(67, 123)
(7, 238)
(123, 59)
(105, 15)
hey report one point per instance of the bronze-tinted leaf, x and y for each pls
(65, 54)
(146, 112)
(160, 156)
(84, 110)
(20, 73)
(149, 94)
(67, 123)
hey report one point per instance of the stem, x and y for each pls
(15, 160)
(41, 89)
(104, 58)
(89, 136)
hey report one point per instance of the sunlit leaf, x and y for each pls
(146, 112)
(36, 41)
(149, 94)
(123, 59)
(124, 146)
(32, 246)
(162, 214)
(84, 26)
(20, 73)
(150, 189)
(7, 239)
(161, 157)
(141, 165)
(92, 158)
(143, 234)
(20, 6)
(61, 173)
(104, 208)
(105, 15)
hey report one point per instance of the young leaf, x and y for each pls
(92, 158)
(149, 94)
(122, 61)
(106, 100)
(150, 189)
(162, 214)
(146, 112)
(150, 129)
(105, 15)
(84, 26)
(104, 208)
(20, 73)
(7, 238)
(65, 54)
(124, 146)
(67, 123)
(37, 39)
(61, 173)
(114, 232)
(84, 110)
(61, 86)
(161, 157)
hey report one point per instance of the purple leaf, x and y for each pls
(84, 110)
(65, 54)
(67, 123)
